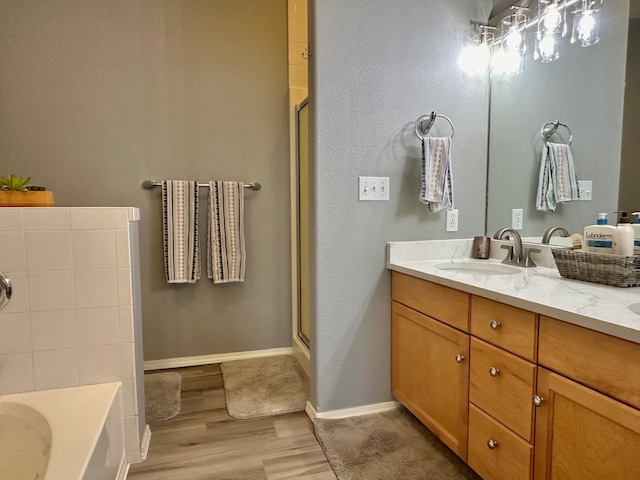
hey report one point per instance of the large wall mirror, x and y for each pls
(584, 89)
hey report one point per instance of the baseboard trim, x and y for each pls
(350, 412)
(149, 365)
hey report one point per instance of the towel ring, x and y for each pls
(545, 133)
(422, 131)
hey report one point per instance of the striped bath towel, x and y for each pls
(225, 239)
(437, 185)
(558, 181)
(180, 228)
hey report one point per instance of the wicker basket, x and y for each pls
(614, 270)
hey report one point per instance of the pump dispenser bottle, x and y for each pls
(623, 243)
(636, 234)
(599, 238)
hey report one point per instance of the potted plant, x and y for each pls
(15, 192)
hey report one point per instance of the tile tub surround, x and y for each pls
(541, 289)
(71, 319)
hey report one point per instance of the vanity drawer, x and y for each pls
(507, 458)
(608, 364)
(508, 327)
(503, 385)
(442, 303)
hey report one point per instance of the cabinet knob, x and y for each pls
(492, 444)
(459, 358)
(494, 324)
(493, 371)
(537, 401)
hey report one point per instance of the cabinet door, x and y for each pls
(429, 374)
(582, 434)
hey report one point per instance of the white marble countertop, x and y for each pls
(540, 289)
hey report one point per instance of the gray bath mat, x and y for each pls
(162, 395)
(387, 446)
(263, 386)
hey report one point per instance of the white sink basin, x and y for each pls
(478, 268)
(635, 308)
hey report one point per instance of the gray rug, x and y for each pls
(162, 395)
(263, 386)
(386, 446)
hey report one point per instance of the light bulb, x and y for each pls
(513, 40)
(586, 25)
(475, 58)
(547, 46)
(552, 18)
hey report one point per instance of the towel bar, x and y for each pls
(149, 184)
(421, 131)
(545, 133)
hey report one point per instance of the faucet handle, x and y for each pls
(528, 262)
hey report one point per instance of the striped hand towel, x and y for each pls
(437, 184)
(180, 228)
(557, 181)
(225, 239)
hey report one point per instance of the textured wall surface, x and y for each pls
(376, 67)
(98, 96)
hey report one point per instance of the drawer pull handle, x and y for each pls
(494, 324)
(492, 444)
(493, 371)
(537, 401)
(459, 358)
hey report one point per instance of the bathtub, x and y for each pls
(63, 434)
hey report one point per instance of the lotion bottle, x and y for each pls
(623, 242)
(636, 234)
(599, 238)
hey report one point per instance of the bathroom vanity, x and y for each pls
(523, 375)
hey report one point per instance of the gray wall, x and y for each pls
(376, 67)
(97, 96)
(584, 89)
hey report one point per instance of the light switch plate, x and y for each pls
(585, 187)
(373, 188)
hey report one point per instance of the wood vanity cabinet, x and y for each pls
(588, 421)
(430, 369)
(529, 397)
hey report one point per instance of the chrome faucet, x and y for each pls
(518, 255)
(550, 231)
(515, 255)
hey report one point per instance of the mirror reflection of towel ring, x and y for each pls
(546, 133)
(422, 130)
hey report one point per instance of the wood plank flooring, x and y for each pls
(204, 442)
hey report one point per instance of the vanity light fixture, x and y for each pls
(510, 54)
(476, 58)
(586, 23)
(552, 26)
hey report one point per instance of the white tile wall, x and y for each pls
(49, 250)
(71, 318)
(15, 333)
(53, 329)
(17, 373)
(13, 254)
(51, 290)
(11, 219)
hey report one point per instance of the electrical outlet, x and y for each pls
(517, 220)
(452, 220)
(585, 189)
(373, 188)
